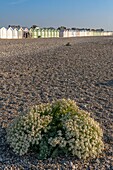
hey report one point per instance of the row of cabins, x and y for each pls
(83, 33)
(10, 33)
(44, 33)
(49, 33)
(15, 33)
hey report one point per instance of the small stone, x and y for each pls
(98, 161)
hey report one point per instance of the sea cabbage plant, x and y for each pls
(54, 129)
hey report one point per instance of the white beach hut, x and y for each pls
(9, 33)
(74, 33)
(105, 33)
(15, 33)
(70, 33)
(78, 33)
(102, 33)
(82, 33)
(66, 33)
(110, 33)
(3, 32)
(86, 33)
(20, 33)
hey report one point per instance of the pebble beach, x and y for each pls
(41, 70)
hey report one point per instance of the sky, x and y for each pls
(54, 13)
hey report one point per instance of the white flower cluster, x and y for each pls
(26, 130)
(64, 125)
(65, 106)
(83, 136)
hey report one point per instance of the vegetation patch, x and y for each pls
(54, 129)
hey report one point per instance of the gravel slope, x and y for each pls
(34, 71)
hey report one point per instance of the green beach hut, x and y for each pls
(46, 33)
(35, 33)
(57, 33)
(42, 33)
(31, 31)
(39, 33)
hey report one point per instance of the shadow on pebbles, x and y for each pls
(34, 71)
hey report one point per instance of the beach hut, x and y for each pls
(86, 33)
(99, 33)
(110, 33)
(20, 33)
(78, 33)
(31, 32)
(70, 33)
(52, 33)
(35, 33)
(43, 33)
(3, 33)
(15, 33)
(46, 33)
(57, 33)
(9, 33)
(39, 33)
(102, 33)
(74, 33)
(82, 33)
(49, 33)
(105, 33)
(66, 33)
(61, 33)
(94, 33)
(91, 33)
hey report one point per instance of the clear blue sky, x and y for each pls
(46, 13)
